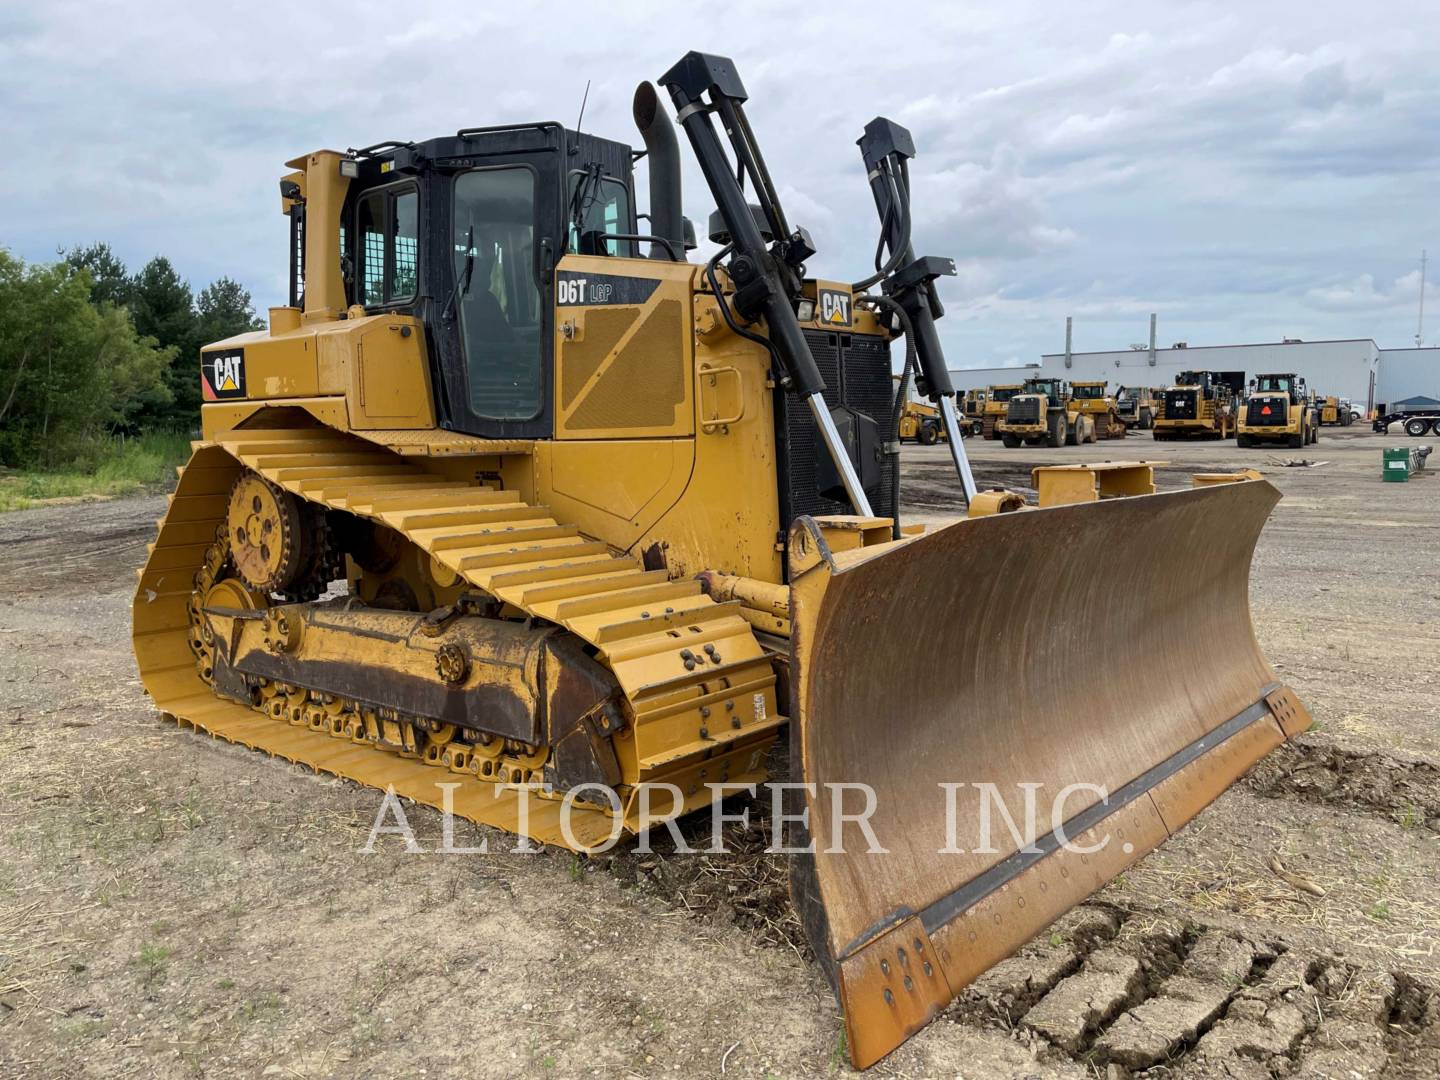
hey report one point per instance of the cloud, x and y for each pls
(1247, 173)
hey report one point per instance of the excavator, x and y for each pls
(516, 511)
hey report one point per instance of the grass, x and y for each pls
(151, 963)
(104, 468)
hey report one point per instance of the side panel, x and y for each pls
(624, 349)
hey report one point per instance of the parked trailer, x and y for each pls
(1416, 424)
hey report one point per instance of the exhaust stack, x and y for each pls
(663, 152)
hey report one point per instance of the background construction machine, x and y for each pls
(1335, 412)
(1138, 406)
(1201, 405)
(1278, 410)
(604, 521)
(1044, 414)
(921, 423)
(1091, 399)
(973, 407)
(997, 404)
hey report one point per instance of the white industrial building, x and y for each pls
(1357, 368)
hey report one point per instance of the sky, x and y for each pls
(1248, 172)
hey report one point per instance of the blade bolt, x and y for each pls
(686, 654)
(710, 651)
(704, 710)
(734, 721)
(689, 665)
(704, 733)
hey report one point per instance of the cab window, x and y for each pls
(601, 206)
(496, 294)
(387, 223)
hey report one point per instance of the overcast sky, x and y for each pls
(1249, 172)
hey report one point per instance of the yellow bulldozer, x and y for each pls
(516, 512)
(1094, 400)
(1044, 413)
(995, 407)
(1137, 406)
(1200, 405)
(1278, 410)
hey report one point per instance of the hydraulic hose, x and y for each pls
(901, 393)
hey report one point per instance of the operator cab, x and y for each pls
(1087, 391)
(1051, 388)
(464, 233)
(1286, 384)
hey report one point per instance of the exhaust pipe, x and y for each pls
(666, 220)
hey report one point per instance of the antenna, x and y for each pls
(583, 100)
(1420, 326)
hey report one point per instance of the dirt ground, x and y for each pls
(172, 906)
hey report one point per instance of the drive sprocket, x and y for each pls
(265, 526)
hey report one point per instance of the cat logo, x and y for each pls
(222, 375)
(834, 307)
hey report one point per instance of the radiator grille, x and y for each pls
(856, 369)
(1180, 404)
(644, 383)
(1024, 411)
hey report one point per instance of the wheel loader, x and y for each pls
(1278, 410)
(921, 423)
(1092, 400)
(1201, 405)
(996, 405)
(515, 511)
(1044, 413)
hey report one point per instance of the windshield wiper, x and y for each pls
(462, 284)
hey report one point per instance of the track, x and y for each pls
(642, 625)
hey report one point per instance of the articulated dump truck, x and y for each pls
(515, 511)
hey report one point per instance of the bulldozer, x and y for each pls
(515, 511)
(1278, 410)
(1200, 405)
(1044, 413)
(1092, 399)
(1137, 407)
(995, 407)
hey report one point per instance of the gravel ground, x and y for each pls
(172, 906)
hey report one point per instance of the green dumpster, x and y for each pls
(1396, 464)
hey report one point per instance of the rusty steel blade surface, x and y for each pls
(1106, 645)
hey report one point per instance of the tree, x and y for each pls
(109, 279)
(68, 369)
(225, 309)
(163, 308)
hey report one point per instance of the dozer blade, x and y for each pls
(1049, 655)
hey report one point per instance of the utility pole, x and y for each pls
(1420, 327)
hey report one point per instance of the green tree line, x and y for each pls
(89, 350)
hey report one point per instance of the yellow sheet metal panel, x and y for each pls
(389, 374)
(616, 490)
(623, 347)
(216, 417)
